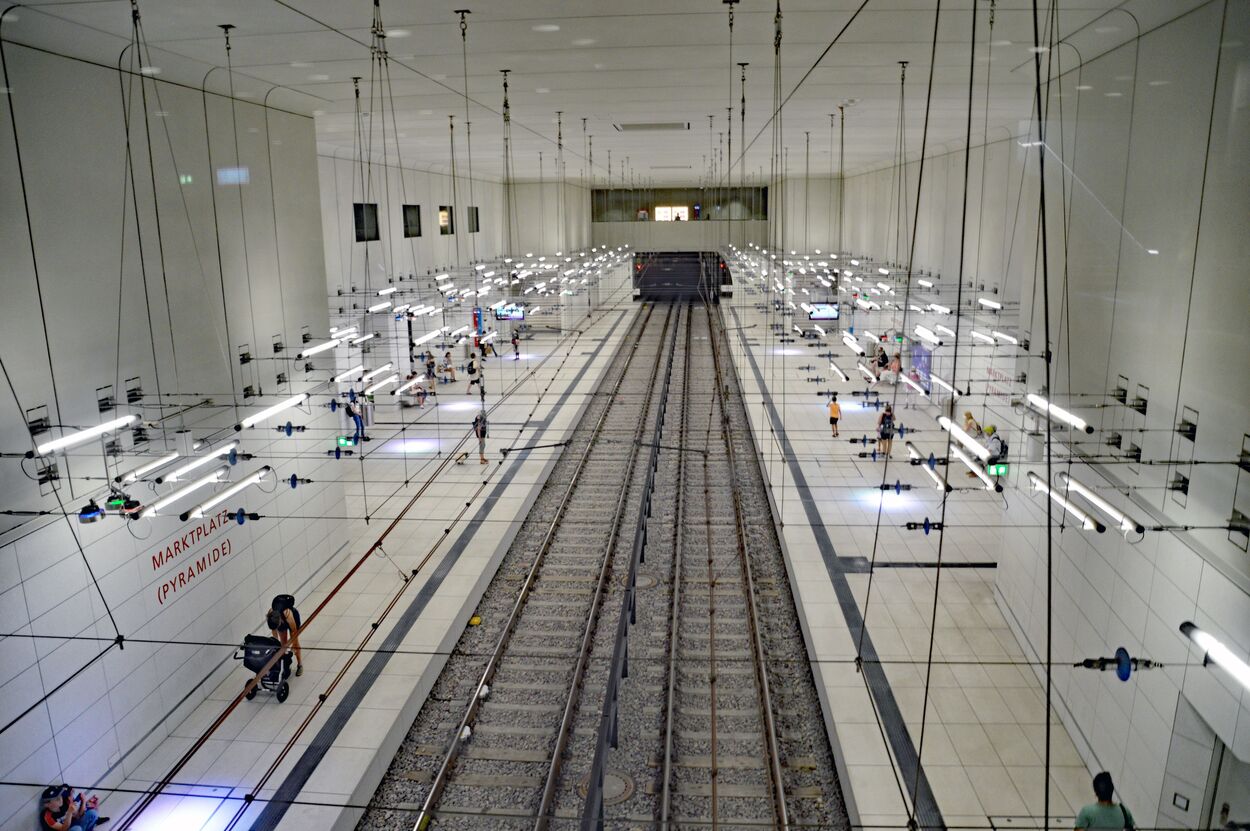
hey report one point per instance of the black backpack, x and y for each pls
(282, 602)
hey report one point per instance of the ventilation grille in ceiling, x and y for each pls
(651, 126)
(670, 167)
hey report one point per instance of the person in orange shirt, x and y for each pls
(835, 413)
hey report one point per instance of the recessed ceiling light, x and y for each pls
(150, 70)
(546, 27)
(1000, 43)
(1113, 94)
(1083, 87)
(542, 90)
(584, 41)
(1038, 49)
(300, 65)
(1152, 250)
(425, 112)
(319, 112)
(600, 66)
(398, 33)
(318, 77)
(1159, 83)
(161, 113)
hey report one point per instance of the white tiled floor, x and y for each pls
(238, 758)
(984, 735)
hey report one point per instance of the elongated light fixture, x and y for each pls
(340, 378)
(941, 483)
(989, 304)
(1003, 336)
(865, 370)
(269, 412)
(180, 473)
(169, 499)
(927, 335)
(378, 307)
(81, 436)
(387, 290)
(1218, 653)
(1037, 402)
(927, 284)
(358, 341)
(963, 438)
(374, 373)
(407, 385)
(534, 310)
(943, 330)
(142, 470)
(818, 329)
(838, 370)
(854, 262)
(1087, 521)
(883, 271)
(490, 337)
(1124, 522)
(984, 338)
(939, 308)
(853, 344)
(971, 464)
(936, 380)
(429, 336)
(392, 378)
(238, 487)
(459, 331)
(319, 348)
(906, 379)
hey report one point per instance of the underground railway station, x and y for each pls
(712, 414)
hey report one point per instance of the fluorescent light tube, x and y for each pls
(926, 334)
(866, 371)
(925, 283)
(1087, 522)
(989, 304)
(924, 465)
(990, 484)
(253, 420)
(407, 385)
(238, 487)
(883, 271)
(854, 262)
(853, 344)
(374, 373)
(338, 379)
(459, 331)
(534, 310)
(1218, 653)
(1122, 520)
(83, 435)
(319, 348)
(378, 307)
(1058, 412)
(387, 290)
(841, 374)
(939, 308)
(906, 379)
(818, 329)
(142, 470)
(1003, 336)
(936, 380)
(984, 338)
(165, 501)
(213, 455)
(358, 341)
(966, 440)
(943, 330)
(380, 384)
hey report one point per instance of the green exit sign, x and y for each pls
(347, 441)
(999, 469)
(185, 179)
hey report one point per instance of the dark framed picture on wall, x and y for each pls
(365, 217)
(412, 220)
(474, 224)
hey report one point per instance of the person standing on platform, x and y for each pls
(835, 413)
(1105, 814)
(885, 430)
(474, 372)
(479, 430)
(516, 347)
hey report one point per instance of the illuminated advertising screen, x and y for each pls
(823, 311)
(510, 312)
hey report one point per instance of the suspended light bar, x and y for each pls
(915, 308)
(498, 303)
(841, 374)
(936, 380)
(459, 331)
(253, 420)
(941, 483)
(407, 385)
(926, 334)
(818, 329)
(866, 305)
(165, 501)
(906, 379)
(989, 304)
(319, 348)
(406, 307)
(1087, 522)
(966, 440)
(534, 310)
(866, 371)
(1122, 520)
(374, 373)
(142, 470)
(853, 344)
(338, 379)
(883, 271)
(1218, 653)
(358, 341)
(984, 338)
(990, 484)
(378, 307)
(387, 290)
(429, 336)
(854, 262)
(243, 484)
(925, 283)
(380, 384)
(179, 474)
(1058, 412)
(82, 436)
(943, 330)
(869, 335)
(341, 332)
(1003, 336)
(939, 308)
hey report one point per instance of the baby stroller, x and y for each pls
(257, 651)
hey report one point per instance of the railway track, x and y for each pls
(717, 723)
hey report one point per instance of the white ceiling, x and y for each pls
(647, 60)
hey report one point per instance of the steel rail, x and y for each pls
(439, 782)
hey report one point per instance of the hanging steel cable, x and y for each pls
(509, 197)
